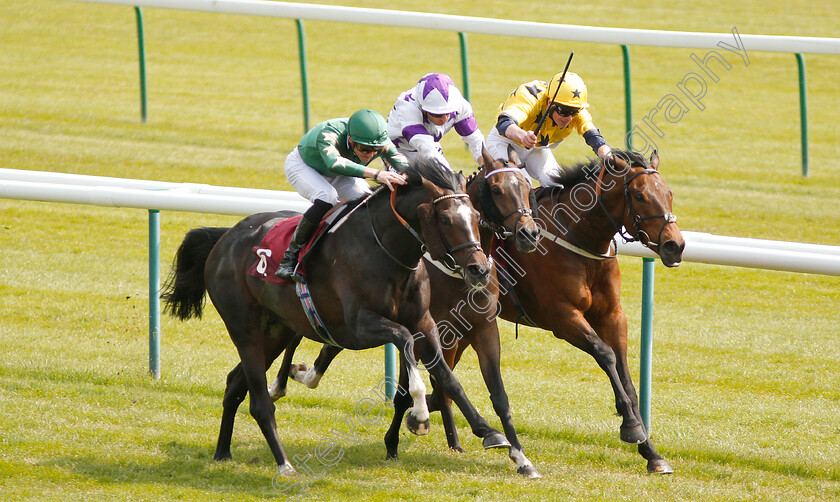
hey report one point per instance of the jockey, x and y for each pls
(520, 113)
(424, 113)
(329, 165)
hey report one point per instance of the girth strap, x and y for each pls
(302, 290)
(508, 285)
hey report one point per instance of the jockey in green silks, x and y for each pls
(329, 165)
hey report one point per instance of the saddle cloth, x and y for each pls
(276, 241)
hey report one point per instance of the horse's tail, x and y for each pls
(183, 292)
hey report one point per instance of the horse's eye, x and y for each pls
(496, 190)
(639, 197)
(444, 220)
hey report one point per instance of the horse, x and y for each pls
(571, 285)
(464, 318)
(366, 280)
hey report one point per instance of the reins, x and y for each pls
(449, 250)
(498, 228)
(628, 208)
(637, 219)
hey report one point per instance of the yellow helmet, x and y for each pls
(572, 91)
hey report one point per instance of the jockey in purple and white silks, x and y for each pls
(423, 114)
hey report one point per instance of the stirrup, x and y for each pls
(286, 269)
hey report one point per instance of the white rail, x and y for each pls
(239, 203)
(620, 36)
(104, 181)
(121, 192)
(751, 253)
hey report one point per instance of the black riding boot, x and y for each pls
(306, 227)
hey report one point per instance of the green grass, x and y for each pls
(745, 398)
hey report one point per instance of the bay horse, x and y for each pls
(572, 285)
(366, 280)
(464, 318)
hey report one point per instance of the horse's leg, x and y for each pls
(235, 392)
(439, 401)
(614, 329)
(381, 331)
(277, 389)
(402, 402)
(428, 348)
(580, 333)
(487, 347)
(262, 408)
(311, 377)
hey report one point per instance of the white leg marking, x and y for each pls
(417, 389)
(274, 390)
(305, 375)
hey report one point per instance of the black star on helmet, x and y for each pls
(576, 93)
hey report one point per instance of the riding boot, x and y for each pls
(306, 227)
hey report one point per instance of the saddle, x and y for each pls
(273, 246)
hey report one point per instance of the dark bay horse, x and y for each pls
(366, 281)
(464, 318)
(572, 285)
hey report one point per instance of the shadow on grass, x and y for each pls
(595, 449)
(189, 466)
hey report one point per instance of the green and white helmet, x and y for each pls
(367, 127)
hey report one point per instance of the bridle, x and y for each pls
(449, 259)
(635, 218)
(498, 228)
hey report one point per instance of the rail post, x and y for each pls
(390, 370)
(628, 105)
(141, 49)
(465, 65)
(646, 351)
(803, 112)
(304, 81)
(154, 292)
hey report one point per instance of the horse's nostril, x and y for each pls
(477, 270)
(673, 247)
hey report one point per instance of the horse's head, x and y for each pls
(449, 223)
(506, 200)
(648, 201)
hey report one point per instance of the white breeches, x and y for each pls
(538, 160)
(313, 185)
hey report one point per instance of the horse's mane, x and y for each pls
(433, 170)
(429, 168)
(582, 172)
(485, 199)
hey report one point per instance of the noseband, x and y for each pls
(637, 219)
(498, 228)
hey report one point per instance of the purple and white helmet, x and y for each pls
(437, 94)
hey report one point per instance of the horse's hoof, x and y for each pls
(495, 440)
(391, 456)
(275, 392)
(528, 471)
(457, 448)
(221, 457)
(659, 466)
(286, 470)
(415, 426)
(634, 435)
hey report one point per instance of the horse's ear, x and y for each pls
(512, 155)
(431, 235)
(488, 159)
(654, 160)
(620, 161)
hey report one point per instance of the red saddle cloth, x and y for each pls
(274, 245)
